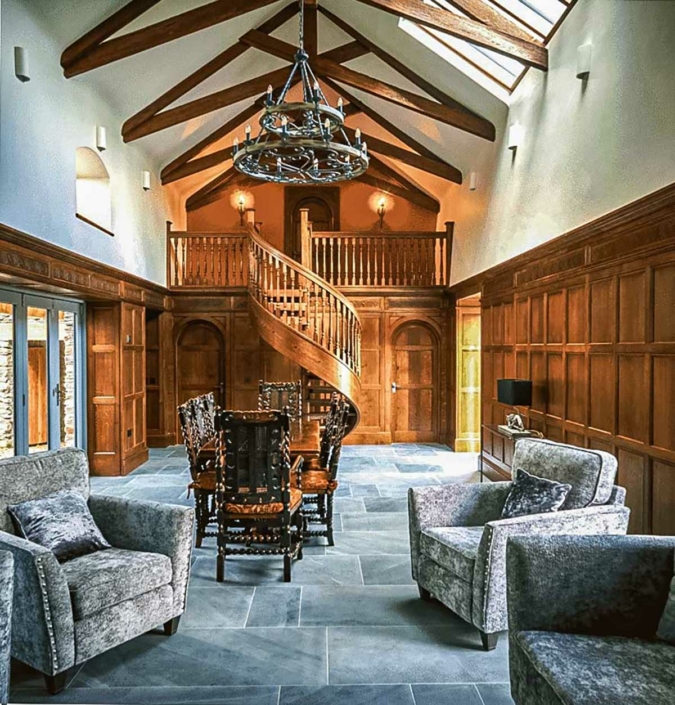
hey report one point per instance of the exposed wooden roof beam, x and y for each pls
(482, 11)
(431, 166)
(210, 103)
(181, 25)
(387, 186)
(130, 127)
(402, 68)
(459, 118)
(392, 175)
(211, 192)
(528, 52)
(375, 116)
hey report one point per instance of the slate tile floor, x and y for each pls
(350, 628)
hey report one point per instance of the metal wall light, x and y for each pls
(473, 181)
(146, 180)
(101, 138)
(584, 54)
(21, 65)
(381, 210)
(515, 136)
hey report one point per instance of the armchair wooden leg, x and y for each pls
(55, 684)
(171, 627)
(424, 594)
(489, 641)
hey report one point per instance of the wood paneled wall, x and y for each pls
(590, 318)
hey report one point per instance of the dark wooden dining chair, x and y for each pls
(196, 418)
(283, 395)
(319, 475)
(258, 507)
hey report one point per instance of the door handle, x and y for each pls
(393, 387)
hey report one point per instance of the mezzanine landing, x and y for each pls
(350, 628)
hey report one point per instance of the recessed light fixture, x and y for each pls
(584, 53)
(21, 65)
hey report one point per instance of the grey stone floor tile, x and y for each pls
(343, 490)
(386, 570)
(428, 654)
(363, 490)
(347, 695)
(275, 607)
(158, 481)
(370, 543)
(386, 504)
(495, 693)
(345, 505)
(446, 695)
(375, 522)
(213, 607)
(195, 695)
(375, 605)
(337, 522)
(213, 657)
(119, 490)
(410, 468)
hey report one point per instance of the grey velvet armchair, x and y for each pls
(458, 540)
(64, 614)
(583, 616)
(6, 592)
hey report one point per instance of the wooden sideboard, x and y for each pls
(496, 453)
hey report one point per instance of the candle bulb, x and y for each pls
(316, 91)
(248, 133)
(236, 145)
(279, 164)
(341, 104)
(365, 149)
(315, 164)
(326, 125)
(284, 125)
(269, 95)
(358, 136)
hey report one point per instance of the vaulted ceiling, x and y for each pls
(188, 75)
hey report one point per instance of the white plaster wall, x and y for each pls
(590, 147)
(42, 122)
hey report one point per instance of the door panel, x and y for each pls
(201, 354)
(415, 374)
(38, 394)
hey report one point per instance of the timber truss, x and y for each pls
(479, 24)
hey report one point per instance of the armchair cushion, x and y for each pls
(666, 629)
(60, 522)
(603, 670)
(590, 472)
(23, 478)
(106, 578)
(453, 548)
(534, 495)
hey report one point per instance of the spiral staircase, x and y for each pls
(309, 321)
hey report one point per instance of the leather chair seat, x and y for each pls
(318, 481)
(265, 511)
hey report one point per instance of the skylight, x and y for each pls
(497, 73)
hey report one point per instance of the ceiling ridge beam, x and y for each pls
(460, 119)
(162, 32)
(387, 149)
(397, 65)
(529, 52)
(202, 73)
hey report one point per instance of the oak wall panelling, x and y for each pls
(595, 332)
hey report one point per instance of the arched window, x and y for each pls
(92, 187)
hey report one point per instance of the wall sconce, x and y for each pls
(101, 138)
(381, 210)
(21, 66)
(515, 136)
(584, 53)
(473, 181)
(146, 180)
(241, 207)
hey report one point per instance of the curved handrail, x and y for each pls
(305, 303)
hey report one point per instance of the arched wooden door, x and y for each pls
(200, 362)
(324, 213)
(415, 387)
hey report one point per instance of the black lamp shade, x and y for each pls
(514, 392)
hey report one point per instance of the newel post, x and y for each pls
(305, 239)
(449, 234)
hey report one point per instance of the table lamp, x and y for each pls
(515, 393)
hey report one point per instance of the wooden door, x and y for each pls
(37, 395)
(415, 394)
(323, 204)
(201, 362)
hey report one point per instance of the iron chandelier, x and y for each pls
(301, 142)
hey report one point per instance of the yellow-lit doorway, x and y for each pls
(468, 375)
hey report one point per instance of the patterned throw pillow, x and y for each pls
(534, 495)
(60, 522)
(666, 629)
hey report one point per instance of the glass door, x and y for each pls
(41, 373)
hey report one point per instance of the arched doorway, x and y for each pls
(415, 384)
(200, 364)
(323, 204)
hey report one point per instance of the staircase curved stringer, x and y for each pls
(306, 319)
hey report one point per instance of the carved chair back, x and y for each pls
(196, 418)
(281, 395)
(333, 434)
(205, 410)
(253, 458)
